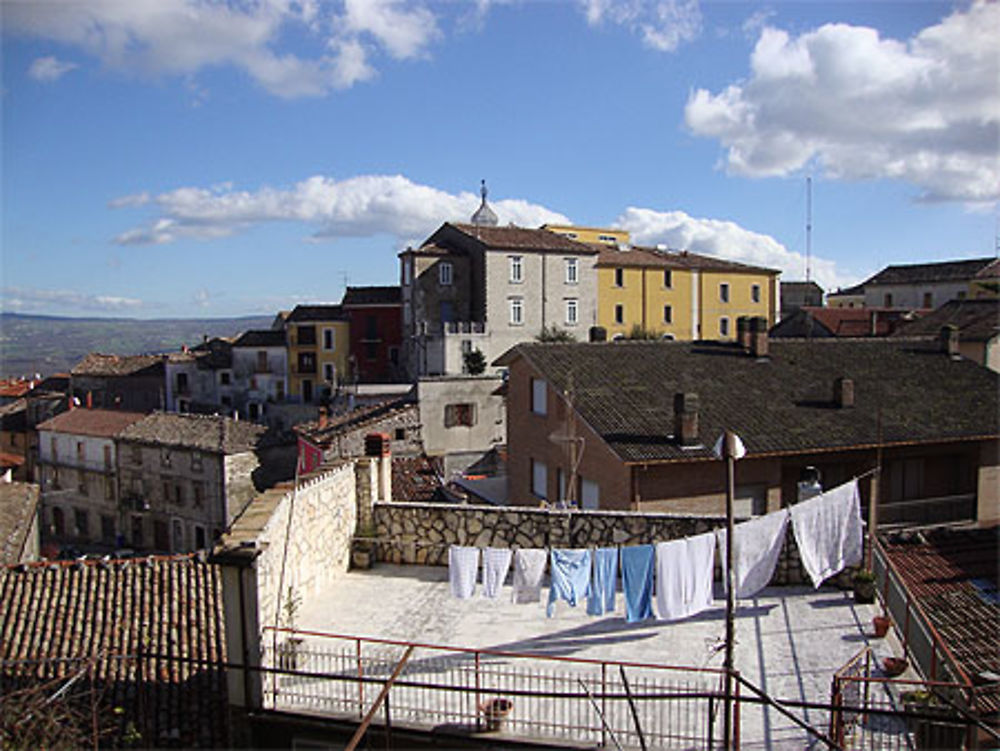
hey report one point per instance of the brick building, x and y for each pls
(375, 316)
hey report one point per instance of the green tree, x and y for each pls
(555, 334)
(475, 363)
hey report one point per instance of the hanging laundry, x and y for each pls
(756, 548)
(496, 564)
(463, 569)
(529, 567)
(637, 582)
(684, 572)
(828, 531)
(569, 571)
(602, 585)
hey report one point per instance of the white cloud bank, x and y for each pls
(49, 69)
(725, 239)
(359, 206)
(23, 300)
(181, 37)
(662, 25)
(926, 111)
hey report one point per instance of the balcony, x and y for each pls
(464, 327)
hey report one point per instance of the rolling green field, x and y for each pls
(47, 345)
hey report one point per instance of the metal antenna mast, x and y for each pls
(809, 227)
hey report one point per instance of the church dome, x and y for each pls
(484, 214)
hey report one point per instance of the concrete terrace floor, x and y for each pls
(790, 640)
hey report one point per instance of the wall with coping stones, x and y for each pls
(419, 533)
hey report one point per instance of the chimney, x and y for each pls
(378, 447)
(843, 392)
(598, 334)
(743, 331)
(758, 337)
(90, 400)
(686, 418)
(322, 418)
(949, 341)
(874, 331)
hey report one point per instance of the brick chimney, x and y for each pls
(379, 448)
(90, 400)
(322, 418)
(949, 341)
(686, 418)
(843, 392)
(743, 331)
(758, 337)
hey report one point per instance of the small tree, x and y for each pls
(475, 362)
(640, 332)
(555, 334)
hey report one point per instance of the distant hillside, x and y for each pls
(46, 344)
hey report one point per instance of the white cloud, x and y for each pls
(22, 300)
(725, 239)
(926, 111)
(182, 37)
(49, 69)
(355, 207)
(663, 25)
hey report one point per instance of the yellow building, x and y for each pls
(596, 235)
(318, 350)
(680, 295)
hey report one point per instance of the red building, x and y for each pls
(375, 314)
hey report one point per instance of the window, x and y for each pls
(887, 300)
(137, 455)
(668, 314)
(928, 299)
(107, 457)
(571, 312)
(538, 394)
(755, 293)
(456, 415)
(399, 434)
(371, 327)
(445, 273)
(516, 311)
(723, 326)
(307, 334)
(307, 362)
(607, 239)
(80, 520)
(253, 411)
(667, 337)
(724, 292)
(165, 484)
(329, 341)
(572, 271)
(81, 482)
(307, 390)
(54, 445)
(165, 458)
(619, 277)
(58, 522)
(619, 314)
(668, 280)
(178, 535)
(394, 355)
(227, 401)
(261, 361)
(198, 493)
(109, 489)
(107, 528)
(539, 479)
(137, 538)
(329, 372)
(516, 269)
(182, 383)
(81, 452)
(590, 494)
(279, 390)
(199, 537)
(447, 308)
(226, 378)
(178, 495)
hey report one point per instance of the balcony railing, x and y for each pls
(928, 511)
(464, 327)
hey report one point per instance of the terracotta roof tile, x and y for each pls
(18, 504)
(316, 313)
(923, 273)
(372, 296)
(637, 255)
(101, 423)
(96, 364)
(977, 320)
(416, 479)
(214, 433)
(261, 338)
(522, 238)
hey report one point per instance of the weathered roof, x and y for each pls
(15, 387)
(261, 338)
(515, 238)
(96, 364)
(780, 404)
(18, 504)
(316, 313)
(990, 270)
(857, 289)
(801, 286)
(320, 432)
(977, 320)
(924, 273)
(139, 621)
(215, 353)
(100, 423)
(417, 479)
(214, 433)
(372, 296)
(845, 322)
(636, 255)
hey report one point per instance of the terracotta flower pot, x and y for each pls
(881, 624)
(894, 666)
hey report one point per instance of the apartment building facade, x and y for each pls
(318, 339)
(260, 372)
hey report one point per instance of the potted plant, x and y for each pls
(881, 624)
(495, 711)
(864, 586)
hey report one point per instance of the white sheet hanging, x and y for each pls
(463, 569)
(684, 570)
(529, 567)
(828, 531)
(496, 564)
(756, 548)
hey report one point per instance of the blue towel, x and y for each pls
(602, 587)
(637, 581)
(570, 574)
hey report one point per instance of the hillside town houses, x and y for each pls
(241, 543)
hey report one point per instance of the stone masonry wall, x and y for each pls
(414, 533)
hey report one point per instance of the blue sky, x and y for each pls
(179, 158)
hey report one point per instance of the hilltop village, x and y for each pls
(488, 506)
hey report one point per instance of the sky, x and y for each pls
(189, 158)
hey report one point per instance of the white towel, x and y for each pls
(463, 569)
(756, 549)
(828, 531)
(529, 567)
(684, 570)
(496, 564)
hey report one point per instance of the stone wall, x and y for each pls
(416, 533)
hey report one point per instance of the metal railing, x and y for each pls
(525, 695)
(927, 511)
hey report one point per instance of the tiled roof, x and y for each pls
(416, 479)
(261, 338)
(977, 320)
(857, 289)
(214, 433)
(15, 387)
(372, 296)
(923, 273)
(18, 503)
(138, 621)
(96, 364)
(953, 576)
(316, 313)
(844, 322)
(427, 249)
(214, 354)
(781, 404)
(9, 460)
(521, 238)
(990, 270)
(801, 287)
(353, 420)
(671, 259)
(100, 423)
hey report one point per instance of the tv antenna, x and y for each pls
(809, 227)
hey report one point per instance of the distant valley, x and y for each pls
(46, 344)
